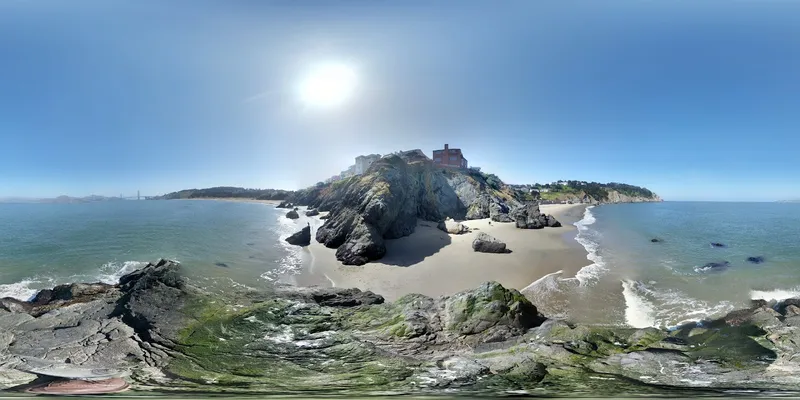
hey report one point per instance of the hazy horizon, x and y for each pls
(694, 102)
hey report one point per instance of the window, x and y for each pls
(437, 159)
(453, 158)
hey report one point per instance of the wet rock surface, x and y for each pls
(301, 238)
(156, 331)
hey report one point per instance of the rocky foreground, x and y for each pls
(159, 332)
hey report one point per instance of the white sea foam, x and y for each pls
(638, 310)
(648, 306)
(777, 294)
(110, 272)
(22, 290)
(592, 272)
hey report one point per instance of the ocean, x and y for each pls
(219, 243)
(634, 281)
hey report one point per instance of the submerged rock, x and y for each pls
(486, 243)
(292, 215)
(302, 238)
(717, 244)
(451, 226)
(714, 267)
(755, 260)
(656, 240)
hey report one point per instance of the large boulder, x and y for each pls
(486, 243)
(301, 238)
(312, 213)
(475, 311)
(451, 226)
(292, 214)
(285, 204)
(529, 217)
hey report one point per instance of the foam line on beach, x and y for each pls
(593, 271)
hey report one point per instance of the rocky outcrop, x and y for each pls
(301, 238)
(485, 243)
(529, 217)
(451, 226)
(312, 213)
(158, 332)
(755, 260)
(285, 204)
(386, 203)
(292, 214)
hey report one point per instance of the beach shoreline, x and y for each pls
(434, 263)
(236, 200)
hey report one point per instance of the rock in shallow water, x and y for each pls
(755, 260)
(292, 215)
(302, 238)
(312, 213)
(718, 266)
(486, 243)
(718, 245)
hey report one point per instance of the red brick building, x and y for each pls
(449, 158)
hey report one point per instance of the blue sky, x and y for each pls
(696, 102)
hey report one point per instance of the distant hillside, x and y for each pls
(586, 192)
(224, 192)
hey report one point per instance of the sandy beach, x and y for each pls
(434, 263)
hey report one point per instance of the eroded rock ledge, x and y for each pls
(160, 333)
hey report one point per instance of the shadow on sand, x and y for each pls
(426, 241)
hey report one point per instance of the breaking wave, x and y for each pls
(587, 238)
(646, 306)
(109, 272)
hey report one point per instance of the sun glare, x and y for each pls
(328, 85)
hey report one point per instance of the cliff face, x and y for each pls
(386, 201)
(612, 198)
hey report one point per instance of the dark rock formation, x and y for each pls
(451, 226)
(485, 243)
(285, 204)
(386, 202)
(324, 217)
(312, 213)
(332, 297)
(529, 217)
(656, 240)
(714, 267)
(504, 217)
(301, 238)
(716, 244)
(292, 215)
(755, 260)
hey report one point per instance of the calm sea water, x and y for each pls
(217, 242)
(636, 282)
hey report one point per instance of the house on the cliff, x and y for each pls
(448, 157)
(363, 162)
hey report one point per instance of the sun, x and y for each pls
(328, 85)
